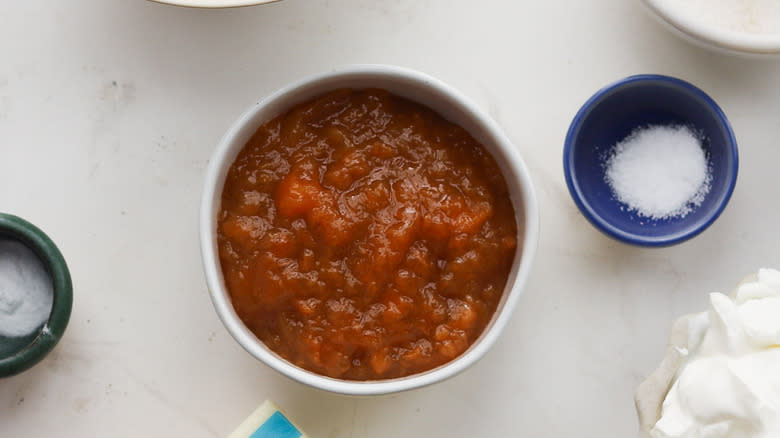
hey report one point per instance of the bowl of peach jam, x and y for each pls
(367, 231)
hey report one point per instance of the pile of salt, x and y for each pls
(26, 290)
(659, 171)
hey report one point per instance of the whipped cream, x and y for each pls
(729, 385)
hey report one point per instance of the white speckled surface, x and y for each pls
(109, 110)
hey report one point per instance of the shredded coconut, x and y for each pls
(659, 172)
(26, 290)
(746, 16)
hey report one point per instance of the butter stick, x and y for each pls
(267, 421)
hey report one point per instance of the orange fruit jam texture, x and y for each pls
(364, 237)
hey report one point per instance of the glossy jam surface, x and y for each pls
(364, 237)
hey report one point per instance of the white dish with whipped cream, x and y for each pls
(721, 375)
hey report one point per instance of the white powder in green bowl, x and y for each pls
(26, 290)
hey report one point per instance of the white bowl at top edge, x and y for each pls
(713, 37)
(214, 4)
(651, 393)
(414, 86)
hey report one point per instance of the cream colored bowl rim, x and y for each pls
(214, 4)
(723, 38)
(286, 97)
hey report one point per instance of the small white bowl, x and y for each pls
(448, 103)
(651, 393)
(214, 4)
(710, 36)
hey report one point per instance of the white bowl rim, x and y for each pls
(253, 345)
(722, 38)
(207, 4)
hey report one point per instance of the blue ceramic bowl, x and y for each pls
(608, 117)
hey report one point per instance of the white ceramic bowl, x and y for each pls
(704, 34)
(452, 106)
(214, 4)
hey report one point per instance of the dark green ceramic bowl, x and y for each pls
(20, 353)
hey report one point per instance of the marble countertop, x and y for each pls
(110, 109)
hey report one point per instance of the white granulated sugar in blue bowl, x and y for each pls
(659, 172)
